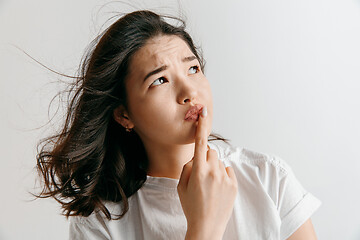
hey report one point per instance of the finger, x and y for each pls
(212, 158)
(201, 140)
(222, 167)
(185, 175)
(230, 172)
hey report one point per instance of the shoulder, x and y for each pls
(97, 216)
(91, 227)
(96, 225)
(244, 158)
(261, 172)
(93, 219)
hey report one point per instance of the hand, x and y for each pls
(207, 190)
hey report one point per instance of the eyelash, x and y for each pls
(195, 66)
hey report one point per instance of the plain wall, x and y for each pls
(285, 77)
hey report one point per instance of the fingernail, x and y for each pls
(204, 112)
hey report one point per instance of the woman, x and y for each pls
(133, 160)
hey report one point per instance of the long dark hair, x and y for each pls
(93, 159)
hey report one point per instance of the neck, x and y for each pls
(168, 161)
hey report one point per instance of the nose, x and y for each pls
(187, 91)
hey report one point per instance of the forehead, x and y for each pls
(158, 51)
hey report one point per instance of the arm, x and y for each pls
(304, 232)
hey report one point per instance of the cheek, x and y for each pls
(153, 112)
(205, 84)
(206, 91)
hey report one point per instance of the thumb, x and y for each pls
(185, 175)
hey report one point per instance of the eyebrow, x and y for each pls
(164, 67)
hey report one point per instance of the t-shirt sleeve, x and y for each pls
(295, 205)
(90, 228)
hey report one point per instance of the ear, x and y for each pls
(122, 117)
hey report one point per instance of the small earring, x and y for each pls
(128, 129)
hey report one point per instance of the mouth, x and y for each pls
(193, 113)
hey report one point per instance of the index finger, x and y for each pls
(201, 139)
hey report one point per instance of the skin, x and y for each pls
(306, 231)
(207, 190)
(156, 112)
(177, 148)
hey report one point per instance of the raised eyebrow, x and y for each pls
(164, 67)
(189, 59)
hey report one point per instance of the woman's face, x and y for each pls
(158, 102)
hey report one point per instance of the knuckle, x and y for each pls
(233, 184)
(212, 151)
(211, 155)
(199, 175)
(229, 170)
(215, 176)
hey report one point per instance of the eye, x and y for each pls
(196, 68)
(159, 79)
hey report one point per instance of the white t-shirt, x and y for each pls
(270, 204)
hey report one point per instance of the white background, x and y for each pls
(285, 76)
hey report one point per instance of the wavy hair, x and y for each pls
(93, 159)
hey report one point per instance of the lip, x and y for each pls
(193, 112)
